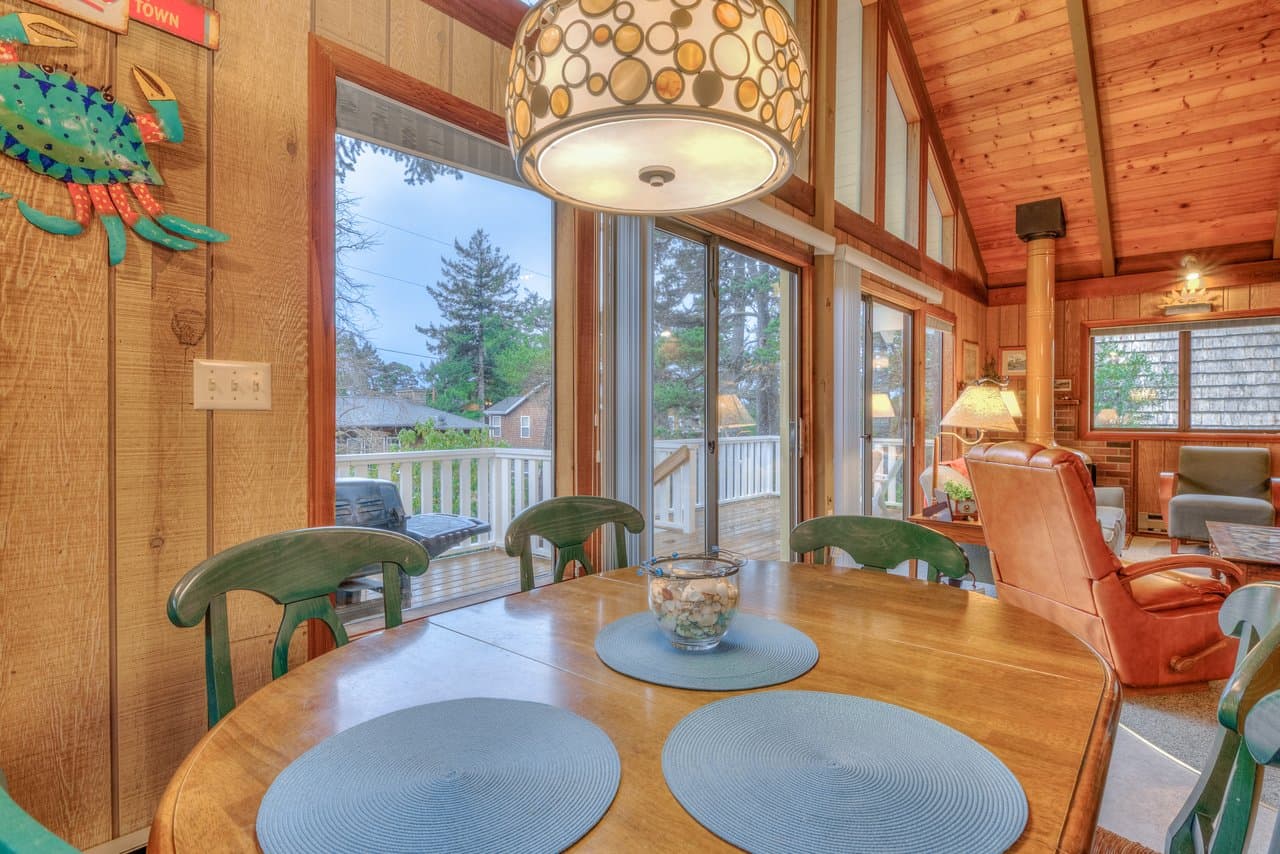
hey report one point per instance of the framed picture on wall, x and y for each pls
(1013, 361)
(968, 361)
(1062, 385)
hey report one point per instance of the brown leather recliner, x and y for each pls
(1156, 626)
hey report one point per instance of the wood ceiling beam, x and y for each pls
(1255, 273)
(1078, 17)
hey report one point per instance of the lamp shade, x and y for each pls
(881, 405)
(732, 412)
(656, 106)
(980, 407)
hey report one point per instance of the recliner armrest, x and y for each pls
(1136, 570)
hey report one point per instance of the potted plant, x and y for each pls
(960, 497)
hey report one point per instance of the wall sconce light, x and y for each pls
(1189, 296)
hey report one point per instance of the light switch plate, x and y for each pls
(220, 384)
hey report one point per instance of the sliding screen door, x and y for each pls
(721, 388)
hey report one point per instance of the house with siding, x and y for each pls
(522, 421)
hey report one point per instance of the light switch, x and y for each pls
(219, 384)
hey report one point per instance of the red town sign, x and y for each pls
(182, 18)
(185, 20)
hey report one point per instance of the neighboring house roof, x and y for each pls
(369, 411)
(504, 407)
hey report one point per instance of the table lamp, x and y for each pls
(982, 407)
(881, 405)
(732, 413)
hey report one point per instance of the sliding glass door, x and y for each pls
(722, 411)
(887, 431)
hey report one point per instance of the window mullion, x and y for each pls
(1184, 380)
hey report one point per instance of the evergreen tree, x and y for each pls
(750, 342)
(490, 337)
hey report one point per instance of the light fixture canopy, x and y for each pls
(656, 106)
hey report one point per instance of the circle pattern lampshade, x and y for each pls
(656, 106)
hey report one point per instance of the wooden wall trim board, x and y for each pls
(798, 193)
(1275, 241)
(1256, 273)
(821, 431)
(587, 388)
(747, 232)
(497, 19)
(1083, 51)
(861, 229)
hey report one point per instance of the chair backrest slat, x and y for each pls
(567, 522)
(299, 570)
(878, 543)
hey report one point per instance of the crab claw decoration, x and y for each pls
(37, 30)
(79, 135)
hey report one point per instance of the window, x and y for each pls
(901, 156)
(940, 220)
(849, 157)
(1217, 375)
(526, 427)
(443, 288)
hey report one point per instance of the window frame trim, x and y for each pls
(1085, 428)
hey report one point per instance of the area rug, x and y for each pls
(1184, 725)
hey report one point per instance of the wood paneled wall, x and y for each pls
(112, 485)
(1146, 457)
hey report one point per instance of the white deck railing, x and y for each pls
(495, 484)
(750, 467)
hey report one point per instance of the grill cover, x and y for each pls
(370, 503)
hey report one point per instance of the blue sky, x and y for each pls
(415, 226)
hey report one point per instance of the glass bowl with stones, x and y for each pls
(694, 597)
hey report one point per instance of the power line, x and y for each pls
(437, 240)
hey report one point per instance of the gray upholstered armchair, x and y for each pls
(1217, 485)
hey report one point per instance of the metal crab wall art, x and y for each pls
(79, 135)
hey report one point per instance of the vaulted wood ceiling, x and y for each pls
(1188, 102)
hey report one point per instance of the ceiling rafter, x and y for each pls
(1078, 17)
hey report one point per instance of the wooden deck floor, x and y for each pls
(752, 528)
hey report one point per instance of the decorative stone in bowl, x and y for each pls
(694, 597)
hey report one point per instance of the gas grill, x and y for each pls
(371, 503)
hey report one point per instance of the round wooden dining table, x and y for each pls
(1033, 694)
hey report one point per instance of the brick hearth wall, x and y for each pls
(1113, 459)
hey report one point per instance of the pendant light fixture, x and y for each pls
(656, 106)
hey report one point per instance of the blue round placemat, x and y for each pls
(476, 774)
(810, 771)
(756, 652)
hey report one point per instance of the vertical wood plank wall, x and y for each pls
(1137, 462)
(112, 486)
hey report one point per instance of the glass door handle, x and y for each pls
(711, 446)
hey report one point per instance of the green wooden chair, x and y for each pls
(22, 834)
(298, 569)
(567, 522)
(878, 543)
(1218, 814)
